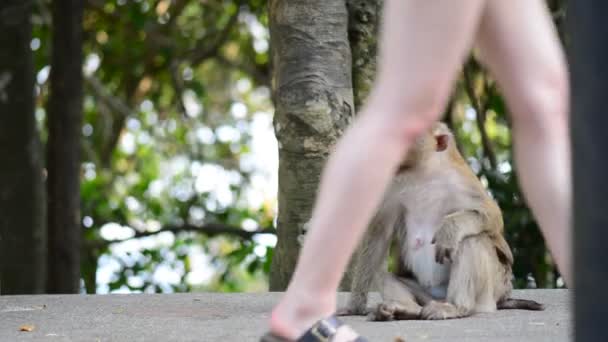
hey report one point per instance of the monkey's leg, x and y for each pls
(398, 301)
(476, 276)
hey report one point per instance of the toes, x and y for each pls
(438, 311)
(384, 312)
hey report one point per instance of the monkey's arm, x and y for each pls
(371, 259)
(461, 224)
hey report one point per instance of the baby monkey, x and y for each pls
(451, 257)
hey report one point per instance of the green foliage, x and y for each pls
(176, 98)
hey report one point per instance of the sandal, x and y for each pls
(322, 331)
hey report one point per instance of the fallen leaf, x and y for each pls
(399, 339)
(26, 327)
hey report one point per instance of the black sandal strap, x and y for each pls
(324, 330)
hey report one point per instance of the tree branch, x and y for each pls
(259, 74)
(177, 10)
(101, 93)
(205, 49)
(210, 229)
(480, 111)
(178, 87)
(448, 118)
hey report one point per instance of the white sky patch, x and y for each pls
(91, 64)
(114, 231)
(197, 214)
(205, 135)
(147, 106)
(269, 240)
(175, 166)
(188, 74)
(202, 270)
(227, 134)
(133, 124)
(207, 176)
(238, 110)
(127, 143)
(470, 113)
(243, 85)
(258, 31)
(193, 107)
(264, 159)
(249, 225)
(87, 129)
(143, 138)
(156, 188)
(504, 167)
(260, 251)
(89, 171)
(43, 74)
(135, 281)
(107, 266)
(260, 45)
(87, 221)
(215, 180)
(164, 274)
(35, 44)
(132, 204)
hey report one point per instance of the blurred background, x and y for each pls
(175, 152)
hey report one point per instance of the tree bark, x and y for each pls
(363, 25)
(22, 210)
(312, 92)
(63, 148)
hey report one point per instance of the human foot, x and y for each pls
(308, 318)
(327, 329)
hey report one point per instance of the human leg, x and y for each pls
(519, 44)
(423, 44)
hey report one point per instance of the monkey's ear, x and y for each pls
(442, 142)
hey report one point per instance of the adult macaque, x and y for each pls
(452, 259)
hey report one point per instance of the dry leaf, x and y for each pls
(399, 339)
(26, 327)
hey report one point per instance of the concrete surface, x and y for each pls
(242, 317)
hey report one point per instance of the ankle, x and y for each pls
(296, 312)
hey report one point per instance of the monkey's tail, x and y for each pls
(521, 304)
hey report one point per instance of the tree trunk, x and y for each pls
(22, 216)
(313, 99)
(587, 30)
(363, 23)
(63, 148)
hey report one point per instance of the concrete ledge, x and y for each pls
(242, 317)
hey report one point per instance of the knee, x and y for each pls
(543, 103)
(408, 113)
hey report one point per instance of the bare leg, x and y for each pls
(422, 47)
(520, 46)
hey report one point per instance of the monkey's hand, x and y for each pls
(446, 244)
(454, 228)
